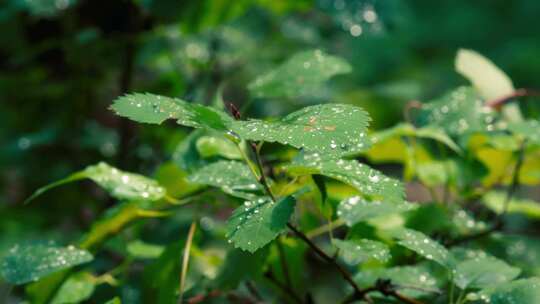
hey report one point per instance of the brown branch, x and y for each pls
(253, 290)
(497, 225)
(386, 288)
(413, 104)
(499, 102)
(344, 273)
(202, 298)
(205, 298)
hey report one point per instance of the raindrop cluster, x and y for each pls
(124, 185)
(356, 209)
(232, 177)
(424, 246)
(28, 263)
(334, 129)
(368, 181)
(459, 112)
(257, 222)
(415, 277)
(301, 75)
(528, 130)
(358, 251)
(480, 270)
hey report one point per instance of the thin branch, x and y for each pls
(344, 273)
(283, 261)
(185, 260)
(253, 290)
(498, 223)
(325, 228)
(205, 298)
(262, 176)
(386, 288)
(413, 104)
(431, 290)
(497, 103)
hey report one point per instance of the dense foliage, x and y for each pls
(267, 181)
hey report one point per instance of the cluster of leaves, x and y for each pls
(310, 170)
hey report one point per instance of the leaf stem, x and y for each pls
(185, 260)
(283, 262)
(344, 273)
(262, 177)
(253, 290)
(325, 228)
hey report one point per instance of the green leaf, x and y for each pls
(483, 271)
(490, 81)
(42, 291)
(233, 177)
(416, 278)
(114, 220)
(358, 251)
(521, 250)
(408, 130)
(77, 288)
(120, 184)
(142, 250)
(209, 146)
(28, 263)
(464, 223)
(528, 130)
(301, 75)
(332, 129)
(495, 201)
(524, 291)
(155, 109)
(368, 181)
(258, 222)
(430, 218)
(115, 300)
(355, 209)
(458, 112)
(186, 155)
(424, 246)
(432, 173)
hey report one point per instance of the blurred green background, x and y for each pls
(62, 62)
